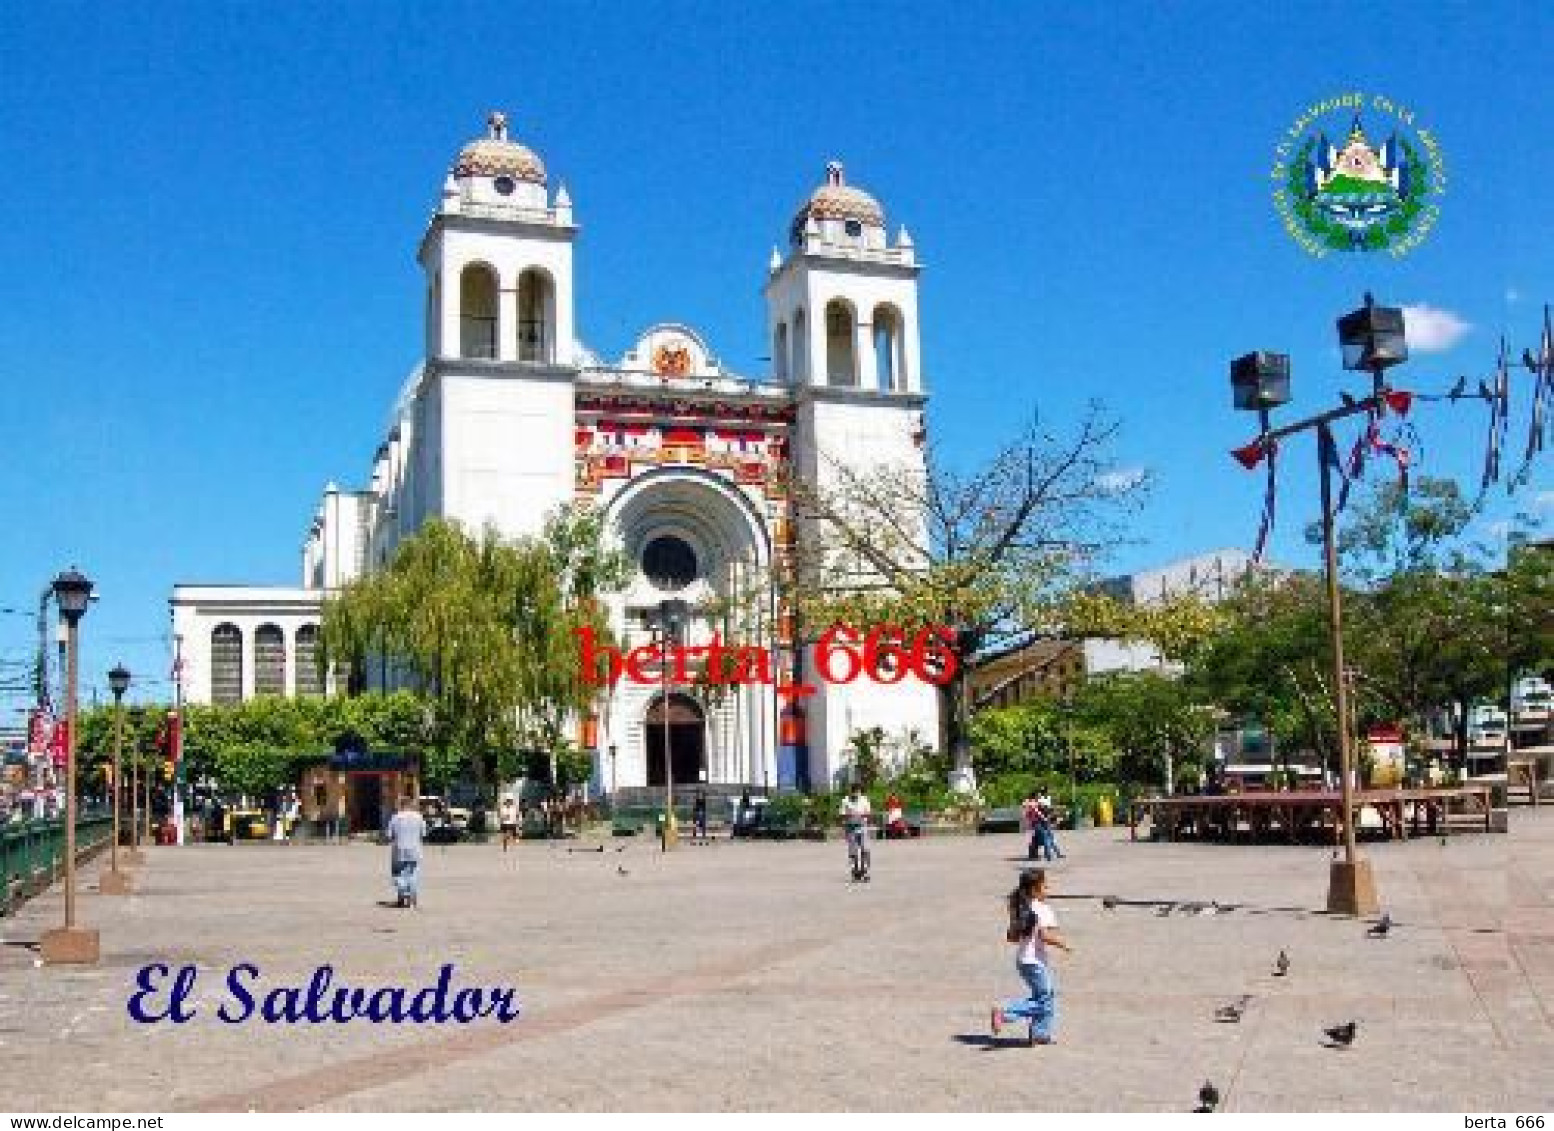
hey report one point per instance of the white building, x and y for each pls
(509, 415)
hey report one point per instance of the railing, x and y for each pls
(32, 854)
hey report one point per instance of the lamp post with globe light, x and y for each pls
(70, 943)
(115, 882)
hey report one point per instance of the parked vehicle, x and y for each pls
(1487, 725)
(443, 822)
(1532, 699)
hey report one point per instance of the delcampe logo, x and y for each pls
(1354, 173)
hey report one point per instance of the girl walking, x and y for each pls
(1033, 929)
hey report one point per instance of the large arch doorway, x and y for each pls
(687, 740)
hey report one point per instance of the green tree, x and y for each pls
(1154, 722)
(985, 551)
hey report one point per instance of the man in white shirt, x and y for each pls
(406, 832)
(855, 820)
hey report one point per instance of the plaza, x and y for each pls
(753, 976)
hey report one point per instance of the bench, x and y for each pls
(999, 821)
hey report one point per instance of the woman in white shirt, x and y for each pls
(1033, 928)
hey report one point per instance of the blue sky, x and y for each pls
(208, 264)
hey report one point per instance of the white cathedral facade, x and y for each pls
(509, 416)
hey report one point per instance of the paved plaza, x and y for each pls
(753, 976)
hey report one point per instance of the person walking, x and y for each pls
(507, 817)
(855, 820)
(1042, 834)
(1033, 928)
(406, 834)
(699, 814)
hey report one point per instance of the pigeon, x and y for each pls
(621, 871)
(1342, 1036)
(1165, 909)
(1529, 361)
(1483, 392)
(1457, 389)
(1348, 400)
(1383, 925)
(1231, 1014)
(620, 848)
(1109, 902)
(1192, 909)
(1208, 1097)
(1281, 965)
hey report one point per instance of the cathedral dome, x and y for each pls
(497, 156)
(837, 200)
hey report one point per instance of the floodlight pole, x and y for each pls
(1351, 885)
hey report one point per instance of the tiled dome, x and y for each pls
(836, 200)
(496, 156)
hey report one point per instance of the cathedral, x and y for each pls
(510, 415)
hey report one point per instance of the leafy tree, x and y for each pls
(486, 631)
(985, 551)
(1152, 720)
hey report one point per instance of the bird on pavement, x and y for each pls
(1231, 1014)
(1383, 925)
(620, 871)
(1165, 909)
(1281, 965)
(1208, 1097)
(1109, 902)
(621, 848)
(1342, 1036)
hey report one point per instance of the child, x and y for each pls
(1033, 927)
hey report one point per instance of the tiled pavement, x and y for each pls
(753, 976)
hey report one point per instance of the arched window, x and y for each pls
(841, 356)
(269, 660)
(536, 316)
(309, 680)
(800, 366)
(477, 312)
(226, 664)
(780, 351)
(888, 350)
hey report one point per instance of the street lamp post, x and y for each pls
(70, 944)
(672, 614)
(1372, 339)
(116, 882)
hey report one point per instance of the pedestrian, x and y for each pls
(1033, 929)
(1029, 812)
(406, 832)
(1045, 822)
(855, 820)
(699, 814)
(507, 817)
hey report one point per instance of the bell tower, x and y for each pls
(498, 258)
(842, 325)
(493, 408)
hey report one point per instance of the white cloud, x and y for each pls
(1512, 296)
(1431, 329)
(1123, 479)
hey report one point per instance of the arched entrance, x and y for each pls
(687, 739)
